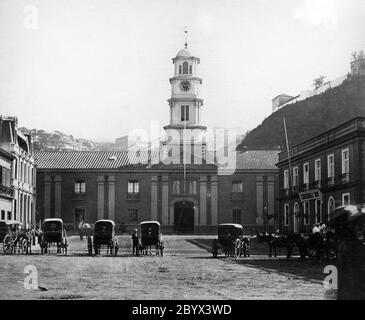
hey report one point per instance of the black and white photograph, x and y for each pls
(181, 154)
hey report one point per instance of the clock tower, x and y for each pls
(185, 131)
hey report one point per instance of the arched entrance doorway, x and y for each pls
(184, 217)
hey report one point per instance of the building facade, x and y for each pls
(185, 184)
(325, 172)
(22, 171)
(6, 190)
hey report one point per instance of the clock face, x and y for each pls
(185, 85)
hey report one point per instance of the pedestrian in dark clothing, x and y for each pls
(135, 240)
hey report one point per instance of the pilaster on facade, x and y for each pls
(100, 207)
(154, 197)
(58, 196)
(203, 200)
(111, 197)
(47, 196)
(259, 200)
(166, 219)
(214, 200)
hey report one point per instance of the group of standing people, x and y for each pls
(319, 228)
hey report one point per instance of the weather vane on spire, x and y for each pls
(186, 37)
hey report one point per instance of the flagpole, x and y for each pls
(184, 153)
(287, 147)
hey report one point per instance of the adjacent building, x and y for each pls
(18, 172)
(320, 174)
(6, 189)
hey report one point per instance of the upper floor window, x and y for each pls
(179, 188)
(5, 176)
(317, 170)
(133, 187)
(306, 173)
(330, 166)
(295, 177)
(345, 161)
(185, 68)
(237, 186)
(179, 69)
(286, 179)
(190, 69)
(184, 113)
(80, 187)
(176, 187)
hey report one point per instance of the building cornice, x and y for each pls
(177, 78)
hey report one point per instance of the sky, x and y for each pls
(98, 69)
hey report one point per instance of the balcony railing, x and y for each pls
(6, 191)
(344, 178)
(305, 187)
(316, 184)
(236, 196)
(79, 195)
(133, 196)
(330, 181)
(285, 192)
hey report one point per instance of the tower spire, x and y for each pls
(186, 37)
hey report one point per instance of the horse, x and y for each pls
(277, 241)
(318, 245)
(85, 229)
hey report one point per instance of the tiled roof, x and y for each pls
(246, 160)
(93, 159)
(257, 159)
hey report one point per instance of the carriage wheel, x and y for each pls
(8, 244)
(25, 246)
(237, 249)
(90, 246)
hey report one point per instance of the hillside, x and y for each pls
(311, 117)
(57, 141)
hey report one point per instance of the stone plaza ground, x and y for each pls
(186, 271)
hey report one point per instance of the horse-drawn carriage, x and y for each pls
(231, 240)
(14, 238)
(151, 235)
(104, 235)
(53, 234)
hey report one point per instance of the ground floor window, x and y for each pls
(318, 210)
(306, 213)
(345, 199)
(330, 206)
(286, 214)
(236, 215)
